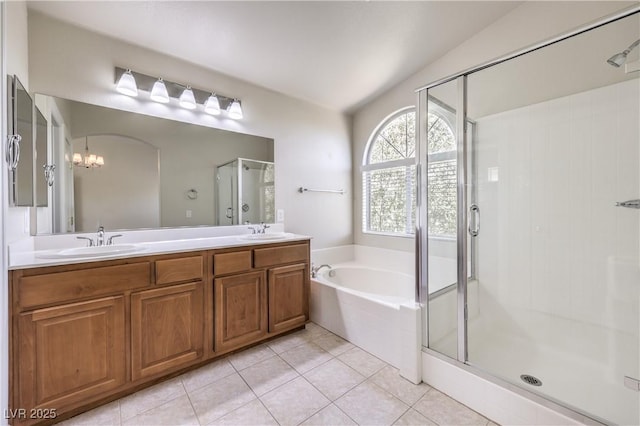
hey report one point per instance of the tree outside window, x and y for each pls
(389, 178)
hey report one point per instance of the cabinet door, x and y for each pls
(240, 310)
(167, 328)
(288, 297)
(70, 354)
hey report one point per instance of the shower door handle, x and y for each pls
(474, 220)
(229, 213)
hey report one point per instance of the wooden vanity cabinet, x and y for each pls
(240, 310)
(70, 353)
(288, 297)
(166, 329)
(85, 333)
(167, 323)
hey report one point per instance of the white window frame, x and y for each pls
(366, 167)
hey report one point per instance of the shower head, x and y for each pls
(619, 59)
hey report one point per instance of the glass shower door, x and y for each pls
(557, 260)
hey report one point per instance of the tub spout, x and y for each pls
(316, 269)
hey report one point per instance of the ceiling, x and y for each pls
(336, 54)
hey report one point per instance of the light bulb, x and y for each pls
(212, 106)
(235, 110)
(187, 100)
(127, 84)
(159, 92)
(77, 158)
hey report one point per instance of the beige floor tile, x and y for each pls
(206, 375)
(220, 398)
(253, 413)
(251, 356)
(313, 330)
(333, 344)
(413, 418)
(289, 341)
(329, 415)
(294, 402)
(108, 414)
(361, 361)
(444, 410)
(389, 379)
(150, 398)
(370, 405)
(334, 378)
(175, 412)
(268, 374)
(305, 357)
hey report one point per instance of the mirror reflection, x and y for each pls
(123, 170)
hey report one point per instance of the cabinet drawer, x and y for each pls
(280, 255)
(181, 269)
(230, 263)
(63, 286)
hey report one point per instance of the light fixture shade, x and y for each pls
(77, 158)
(159, 92)
(99, 160)
(127, 84)
(187, 100)
(235, 110)
(212, 106)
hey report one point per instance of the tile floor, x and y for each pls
(311, 377)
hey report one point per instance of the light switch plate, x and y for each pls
(280, 215)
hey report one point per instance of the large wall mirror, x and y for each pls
(125, 171)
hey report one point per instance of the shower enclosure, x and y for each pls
(543, 165)
(245, 192)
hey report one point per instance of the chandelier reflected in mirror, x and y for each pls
(87, 159)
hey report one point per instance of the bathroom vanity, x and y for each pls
(87, 331)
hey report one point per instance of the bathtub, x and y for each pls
(368, 299)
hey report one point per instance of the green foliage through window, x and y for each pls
(389, 202)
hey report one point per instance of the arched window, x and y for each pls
(389, 178)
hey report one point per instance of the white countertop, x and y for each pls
(36, 259)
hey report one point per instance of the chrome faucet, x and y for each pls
(110, 240)
(100, 238)
(316, 269)
(259, 229)
(90, 243)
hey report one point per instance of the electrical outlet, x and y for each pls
(280, 216)
(189, 213)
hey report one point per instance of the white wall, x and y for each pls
(529, 23)
(131, 166)
(312, 144)
(552, 239)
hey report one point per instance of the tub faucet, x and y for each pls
(316, 269)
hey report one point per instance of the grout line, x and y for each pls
(191, 402)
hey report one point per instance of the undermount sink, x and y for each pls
(269, 236)
(92, 251)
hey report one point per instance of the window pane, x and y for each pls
(391, 200)
(440, 136)
(395, 141)
(442, 196)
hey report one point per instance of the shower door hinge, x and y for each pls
(631, 383)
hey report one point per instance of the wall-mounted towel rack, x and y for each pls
(333, 191)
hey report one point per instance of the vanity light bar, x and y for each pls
(182, 92)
